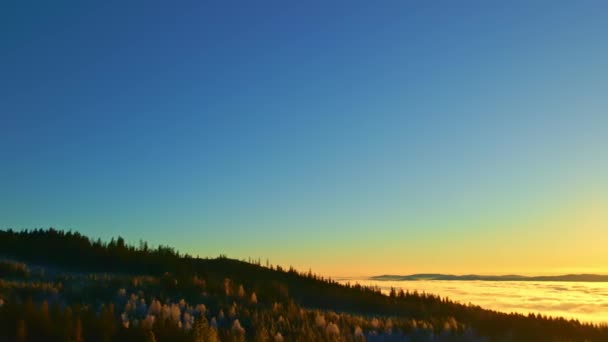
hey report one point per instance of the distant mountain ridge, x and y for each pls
(510, 277)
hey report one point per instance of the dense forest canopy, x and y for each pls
(58, 285)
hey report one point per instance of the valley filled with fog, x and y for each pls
(585, 301)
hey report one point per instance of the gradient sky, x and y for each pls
(352, 138)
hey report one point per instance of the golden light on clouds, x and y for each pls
(579, 300)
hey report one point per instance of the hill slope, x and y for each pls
(113, 291)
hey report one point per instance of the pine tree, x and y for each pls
(78, 330)
(21, 331)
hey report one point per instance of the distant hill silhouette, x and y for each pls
(510, 277)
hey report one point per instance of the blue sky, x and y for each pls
(307, 132)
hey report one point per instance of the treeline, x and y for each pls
(205, 280)
(77, 252)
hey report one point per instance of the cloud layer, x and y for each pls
(583, 301)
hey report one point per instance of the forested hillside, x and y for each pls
(63, 286)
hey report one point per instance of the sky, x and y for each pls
(352, 138)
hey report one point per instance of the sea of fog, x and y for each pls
(586, 301)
